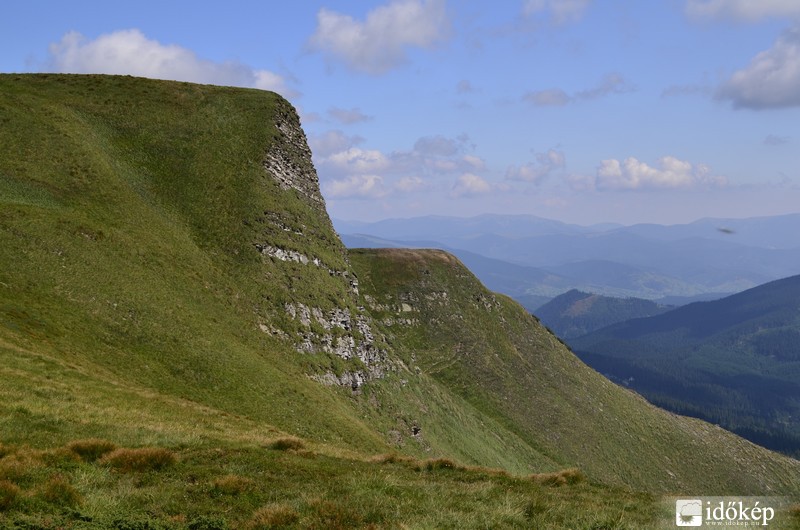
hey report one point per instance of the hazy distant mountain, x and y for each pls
(577, 313)
(645, 261)
(734, 361)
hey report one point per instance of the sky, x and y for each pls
(584, 111)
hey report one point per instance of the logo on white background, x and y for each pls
(689, 512)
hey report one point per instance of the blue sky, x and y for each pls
(585, 111)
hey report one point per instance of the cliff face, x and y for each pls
(338, 325)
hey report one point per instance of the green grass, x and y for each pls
(253, 487)
(506, 366)
(149, 376)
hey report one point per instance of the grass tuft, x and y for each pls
(91, 449)
(441, 463)
(231, 485)
(273, 516)
(59, 491)
(333, 516)
(142, 459)
(559, 478)
(287, 443)
(19, 465)
(9, 492)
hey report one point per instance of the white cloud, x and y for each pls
(356, 160)
(612, 83)
(559, 11)
(356, 186)
(330, 142)
(469, 184)
(379, 43)
(476, 163)
(747, 10)
(554, 97)
(669, 173)
(348, 116)
(410, 184)
(130, 52)
(546, 164)
(771, 80)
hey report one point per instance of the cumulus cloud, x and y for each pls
(330, 142)
(355, 160)
(348, 116)
(356, 186)
(130, 52)
(546, 164)
(559, 11)
(347, 170)
(668, 173)
(771, 80)
(612, 83)
(476, 163)
(379, 43)
(746, 10)
(470, 185)
(410, 184)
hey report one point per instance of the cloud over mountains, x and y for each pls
(130, 52)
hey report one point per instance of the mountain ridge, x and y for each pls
(170, 278)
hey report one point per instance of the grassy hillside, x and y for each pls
(734, 361)
(184, 344)
(577, 313)
(506, 365)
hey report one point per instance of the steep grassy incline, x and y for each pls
(499, 359)
(140, 244)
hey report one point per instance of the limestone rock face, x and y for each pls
(345, 330)
(289, 158)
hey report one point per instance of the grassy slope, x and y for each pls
(505, 364)
(130, 302)
(126, 251)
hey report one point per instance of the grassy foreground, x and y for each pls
(285, 484)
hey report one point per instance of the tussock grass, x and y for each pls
(91, 449)
(287, 443)
(9, 492)
(559, 478)
(231, 485)
(273, 516)
(20, 464)
(58, 490)
(141, 459)
(434, 464)
(334, 515)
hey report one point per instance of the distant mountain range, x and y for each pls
(576, 313)
(734, 361)
(536, 259)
